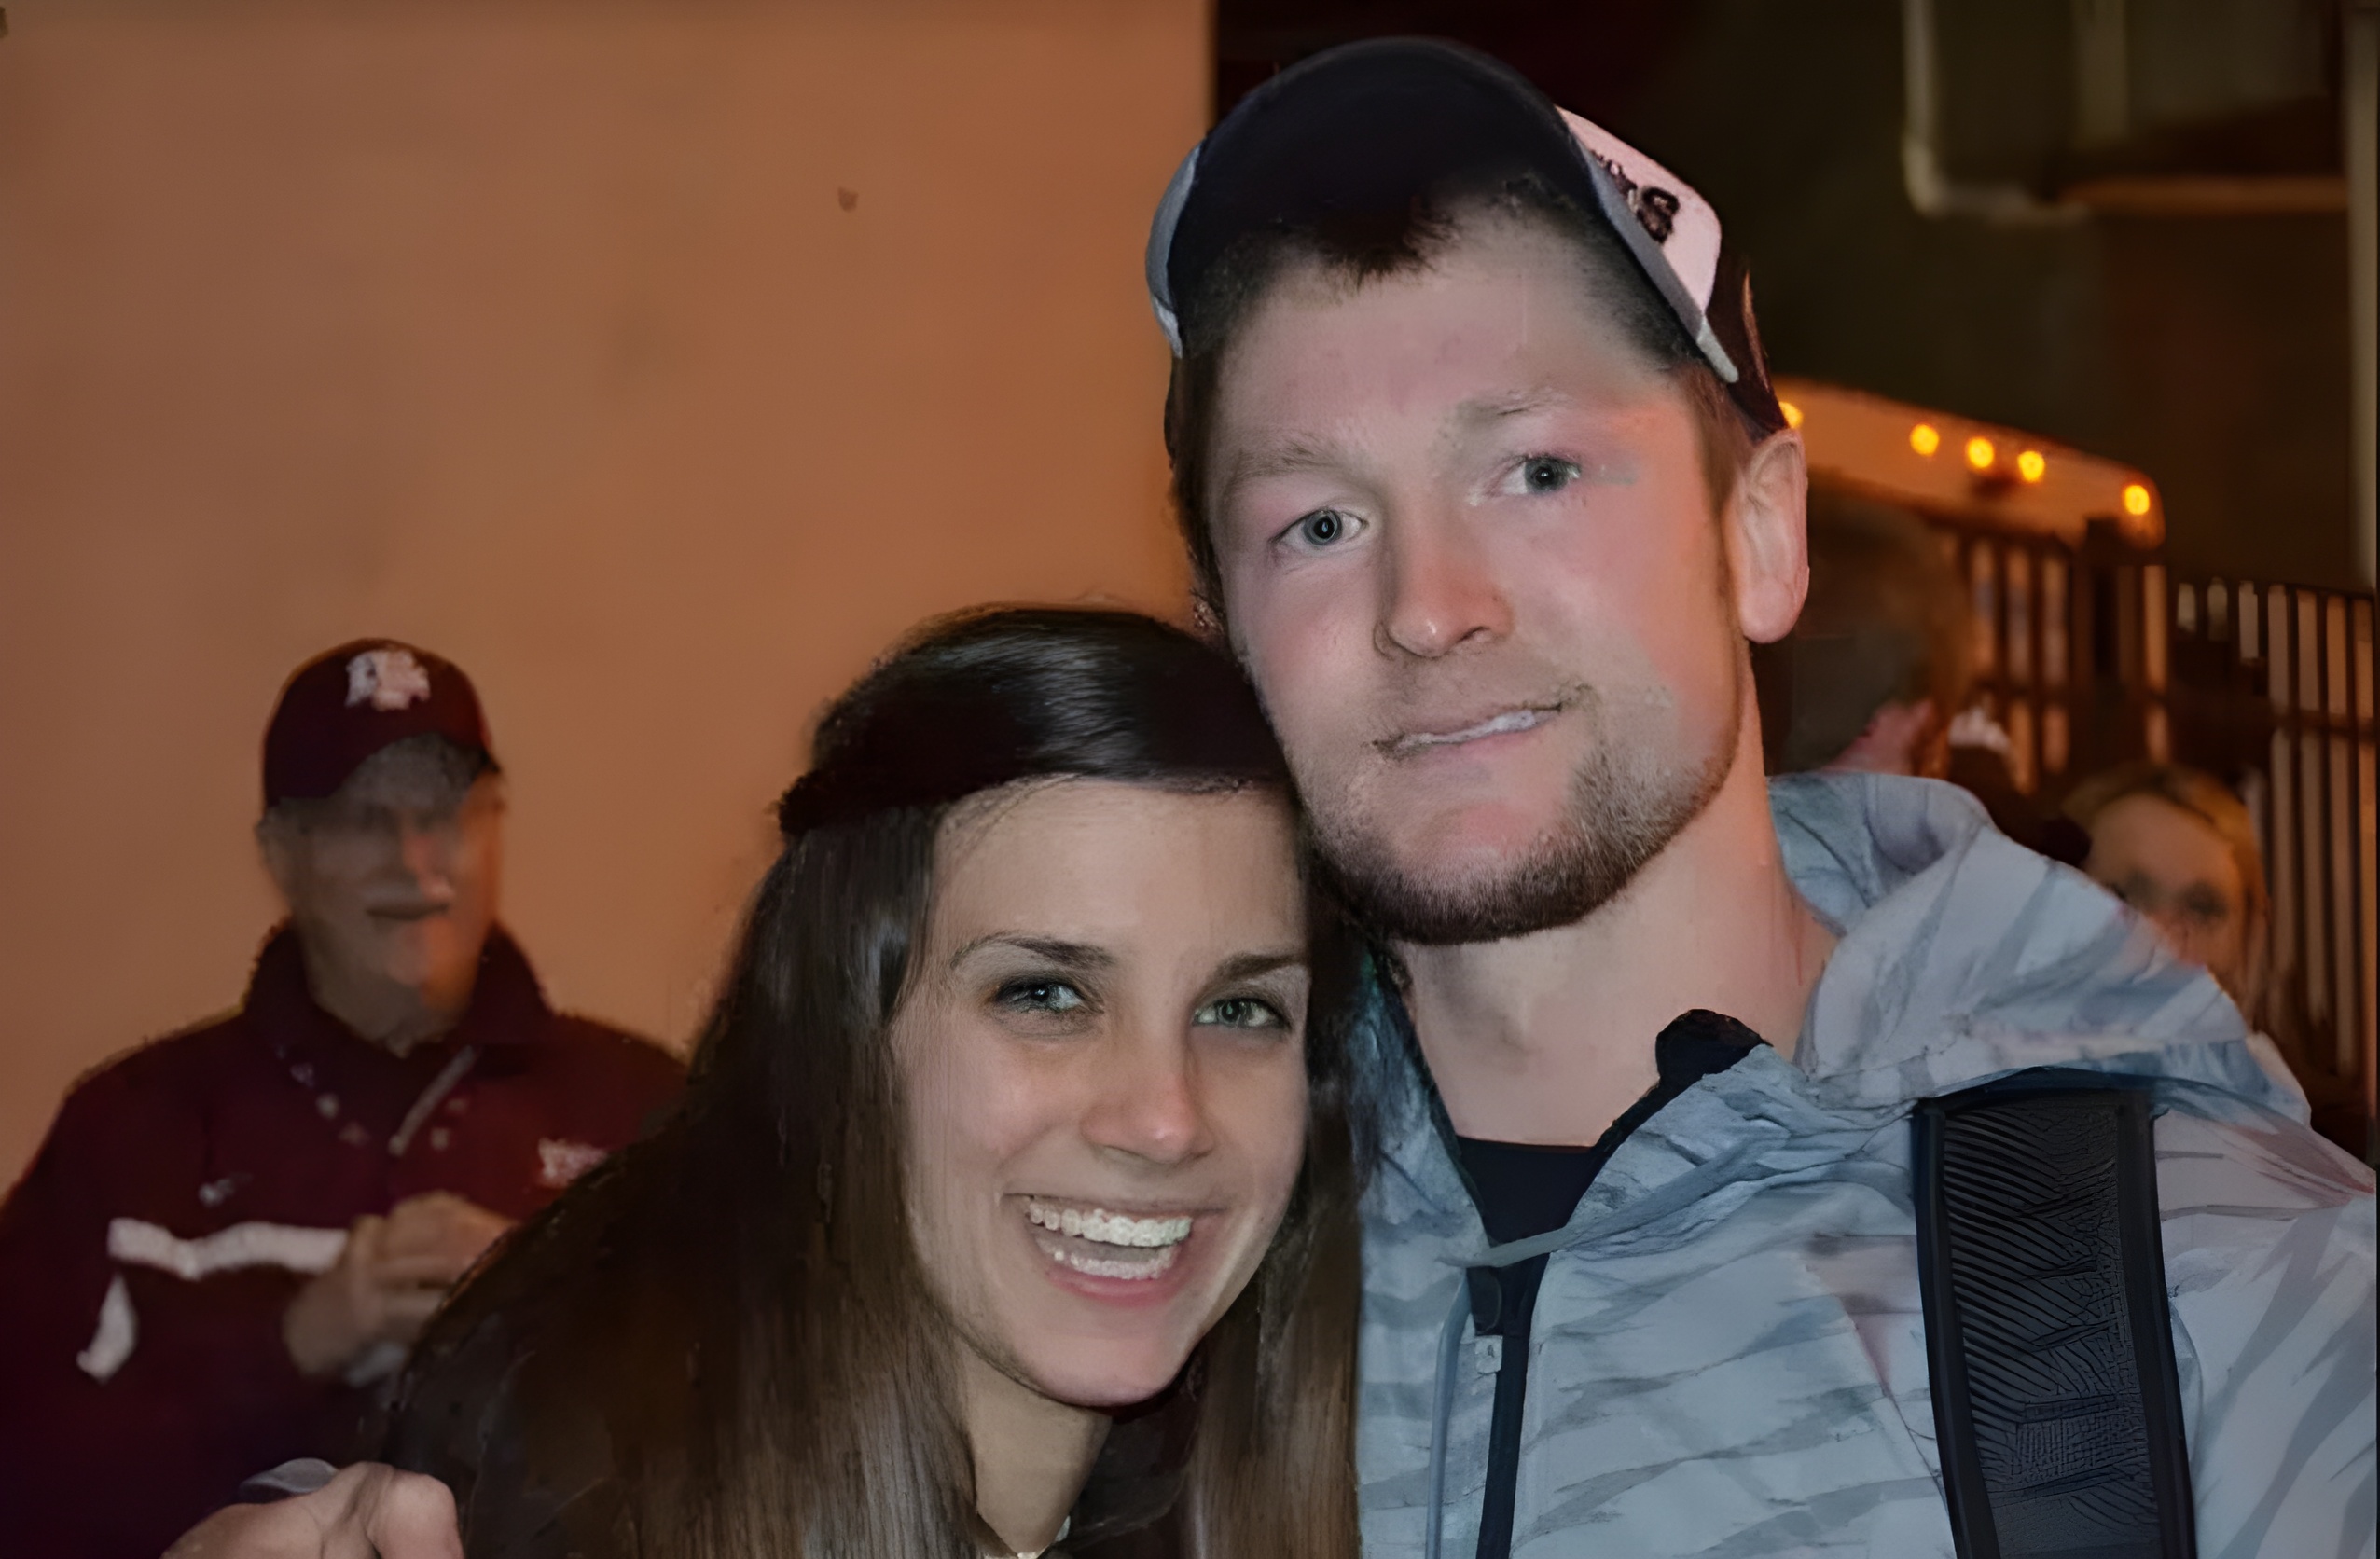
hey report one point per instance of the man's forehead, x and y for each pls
(418, 771)
(1288, 450)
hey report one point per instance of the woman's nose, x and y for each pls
(1148, 1103)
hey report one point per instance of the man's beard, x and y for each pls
(1617, 820)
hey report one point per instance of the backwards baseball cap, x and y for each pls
(342, 707)
(1370, 126)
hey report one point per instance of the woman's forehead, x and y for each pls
(1104, 856)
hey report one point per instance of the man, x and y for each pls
(231, 1235)
(1876, 665)
(1481, 476)
(1875, 676)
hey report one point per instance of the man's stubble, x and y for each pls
(1620, 814)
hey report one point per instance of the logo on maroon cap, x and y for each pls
(390, 678)
(345, 705)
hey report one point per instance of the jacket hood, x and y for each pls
(1965, 956)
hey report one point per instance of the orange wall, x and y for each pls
(658, 362)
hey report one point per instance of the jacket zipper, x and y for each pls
(1504, 1303)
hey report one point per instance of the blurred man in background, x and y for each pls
(231, 1235)
(1879, 657)
(1877, 675)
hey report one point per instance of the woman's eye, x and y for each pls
(1545, 474)
(1326, 528)
(1240, 1012)
(1041, 996)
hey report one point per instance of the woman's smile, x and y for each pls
(1080, 1239)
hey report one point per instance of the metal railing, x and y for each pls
(2092, 655)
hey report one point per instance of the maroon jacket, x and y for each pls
(186, 1189)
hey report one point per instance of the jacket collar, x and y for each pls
(1963, 957)
(507, 1007)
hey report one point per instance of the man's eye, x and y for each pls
(1326, 528)
(1041, 996)
(1239, 1012)
(1544, 474)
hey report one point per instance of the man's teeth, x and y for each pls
(1102, 1227)
(1503, 724)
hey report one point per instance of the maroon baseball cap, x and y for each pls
(340, 708)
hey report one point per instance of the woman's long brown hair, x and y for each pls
(719, 1345)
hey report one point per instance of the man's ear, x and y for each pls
(1767, 548)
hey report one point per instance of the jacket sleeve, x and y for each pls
(2269, 1260)
(135, 1401)
(54, 1279)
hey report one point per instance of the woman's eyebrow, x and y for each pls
(1066, 954)
(1250, 966)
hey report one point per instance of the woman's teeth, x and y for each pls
(1153, 1243)
(1109, 1228)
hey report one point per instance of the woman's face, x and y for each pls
(2168, 864)
(1103, 1050)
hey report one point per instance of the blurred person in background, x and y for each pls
(2177, 845)
(231, 1235)
(1879, 656)
(1877, 675)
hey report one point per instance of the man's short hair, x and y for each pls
(1362, 247)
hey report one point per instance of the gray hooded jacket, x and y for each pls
(1728, 1355)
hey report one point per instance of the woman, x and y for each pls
(2179, 847)
(1012, 1200)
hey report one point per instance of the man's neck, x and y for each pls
(395, 1018)
(1549, 1038)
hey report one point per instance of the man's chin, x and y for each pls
(1441, 896)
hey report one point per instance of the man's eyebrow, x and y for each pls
(1066, 954)
(1251, 966)
(1495, 408)
(1286, 457)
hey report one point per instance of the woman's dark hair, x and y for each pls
(720, 1342)
(1359, 245)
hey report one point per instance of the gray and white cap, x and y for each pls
(1369, 127)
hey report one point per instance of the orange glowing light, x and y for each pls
(2136, 499)
(2030, 465)
(1925, 438)
(1792, 413)
(1980, 453)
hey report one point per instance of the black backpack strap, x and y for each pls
(2047, 1334)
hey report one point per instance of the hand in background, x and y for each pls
(366, 1511)
(393, 1276)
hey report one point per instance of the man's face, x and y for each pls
(392, 882)
(1469, 554)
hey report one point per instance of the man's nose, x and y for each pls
(1441, 589)
(426, 851)
(1148, 1103)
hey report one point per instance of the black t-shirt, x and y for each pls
(1524, 1189)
